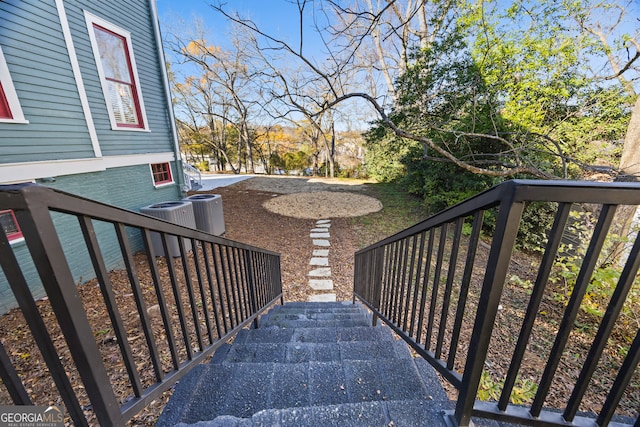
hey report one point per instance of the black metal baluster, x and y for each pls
(507, 225)
(11, 380)
(604, 331)
(216, 303)
(190, 293)
(425, 285)
(436, 285)
(387, 292)
(393, 283)
(416, 290)
(410, 280)
(625, 374)
(176, 294)
(162, 302)
(245, 306)
(106, 288)
(138, 296)
(251, 288)
(47, 252)
(555, 238)
(580, 288)
(203, 295)
(222, 270)
(464, 286)
(446, 300)
(233, 284)
(403, 281)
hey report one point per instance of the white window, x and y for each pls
(161, 173)
(10, 110)
(113, 52)
(10, 226)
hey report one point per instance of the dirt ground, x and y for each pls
(277, 213)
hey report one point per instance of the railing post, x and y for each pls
(251, 286)
(277, 276)
(502, 244)
(24, 298)
(11, 380)
(377, 259)
(46, 250)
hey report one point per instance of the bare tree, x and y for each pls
(622, 65)
(320, 86)
(202, 118)
(623, 60)
(226, 87)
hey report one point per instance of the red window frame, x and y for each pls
(5, 110)
(131, 84)
(161, 173)
(14, 234)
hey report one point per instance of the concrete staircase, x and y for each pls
(310, 364)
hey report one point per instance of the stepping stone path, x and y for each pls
(320, 271)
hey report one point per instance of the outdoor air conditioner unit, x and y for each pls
(178, 212)
(208, 212)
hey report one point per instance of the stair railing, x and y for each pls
(187, 304)
(192, 176)
(429, 281)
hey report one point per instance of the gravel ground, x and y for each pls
(277, 213)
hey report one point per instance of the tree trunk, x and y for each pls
(250, 166)
(630, 160)
(629, 172)
(333, 150)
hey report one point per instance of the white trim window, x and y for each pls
(10, 226)
(10, 110)
(113, 53)
(161, 174)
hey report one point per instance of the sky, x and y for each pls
(278, 17)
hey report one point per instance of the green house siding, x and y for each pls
(34, 48)
(114, 186)
(137, 21)
(41, 66)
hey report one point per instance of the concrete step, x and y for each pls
(283, 323)
(316, 315)
(320, 307)
(375, 414)
(299, 352)
(243, 389)
(286, 314)
(266, 334)
(324, 305)
(310, 364)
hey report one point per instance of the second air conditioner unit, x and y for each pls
(208, 212)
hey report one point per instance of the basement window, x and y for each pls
(10, 226)
(161, 173)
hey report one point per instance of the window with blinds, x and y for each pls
(116, 67)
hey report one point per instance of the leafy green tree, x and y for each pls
(295, 160)
(442, 97)
(539, 63)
